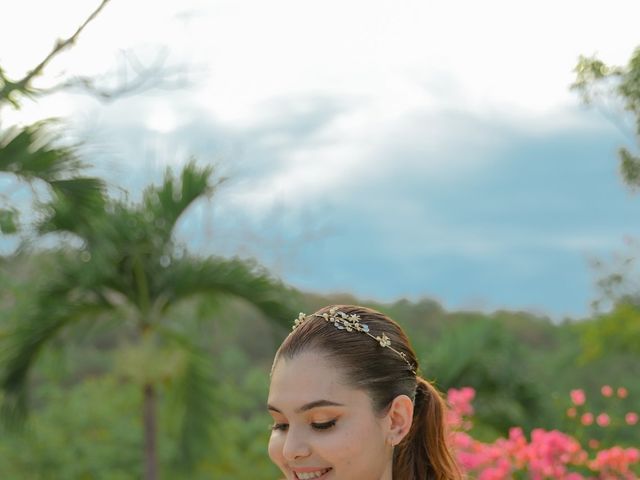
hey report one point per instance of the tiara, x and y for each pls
(351, 323)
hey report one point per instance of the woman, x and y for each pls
(347, 403)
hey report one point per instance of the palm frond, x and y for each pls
(20, 348)
(233, 277)
(167, 202)
(87, 191)
(195, 397)
(8, 221)
(55, 304)
(76, 204)
(32, 153)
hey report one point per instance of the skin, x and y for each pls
(360, 443)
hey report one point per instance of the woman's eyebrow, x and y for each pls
(310, 405)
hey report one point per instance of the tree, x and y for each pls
(596, 81)
(619, 329)
(131, 268)
(616, 330)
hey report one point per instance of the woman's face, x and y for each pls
(323, 428)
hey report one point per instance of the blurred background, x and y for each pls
(179, 179)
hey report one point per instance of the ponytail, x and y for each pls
(424, 453)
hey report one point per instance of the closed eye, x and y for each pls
(279, 426)
(317, 426)
(323, 426)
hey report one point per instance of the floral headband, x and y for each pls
(351, 323)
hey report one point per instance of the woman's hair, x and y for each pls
(383, 372)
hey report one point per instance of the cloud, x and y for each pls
(474, 209)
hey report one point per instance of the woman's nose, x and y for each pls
(295, 445)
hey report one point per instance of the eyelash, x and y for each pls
(317, 426)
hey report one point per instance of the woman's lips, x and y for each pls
(308, 473)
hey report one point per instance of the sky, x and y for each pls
(388, 149)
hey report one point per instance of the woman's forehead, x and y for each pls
(308, 377)
(308, 368)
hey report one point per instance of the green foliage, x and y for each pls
(616, 328)
(88, 431)
(35, 153)
(483, 354)
(240, 440)
(630, 167)
(616, 331)
(8, 221)
(88, 398)
(12, 92)
(130, 268)
(195, 405)
(597, 81)
(31, 153)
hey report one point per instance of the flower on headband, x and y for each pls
(384, 340)
(298, 321)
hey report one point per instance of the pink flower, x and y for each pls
(587, 418)
(603, 420)
(460, 407)
(548, 454)
(615, 462)
(578, 397)
(606, 391)
(622, 392)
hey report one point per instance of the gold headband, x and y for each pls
(351, 323)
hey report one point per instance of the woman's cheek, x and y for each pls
(275, 447)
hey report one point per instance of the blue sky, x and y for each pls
(384, 149)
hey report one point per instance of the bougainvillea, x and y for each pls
(546, 454)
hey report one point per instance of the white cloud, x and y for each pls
(377, 94)
(492, 58)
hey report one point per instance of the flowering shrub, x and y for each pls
(547, 455)
(596, 427)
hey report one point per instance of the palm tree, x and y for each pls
(130, 267)
(34, 154)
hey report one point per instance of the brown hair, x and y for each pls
(424, 452)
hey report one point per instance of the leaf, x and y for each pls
(8, 221)
(617, 331)
(194, 399)
(228, 277)
(20, 347)
(31, 153)
(630, 168)
(76, 203)
(167, 203)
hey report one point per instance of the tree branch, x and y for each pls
(145, 77)
(60, 45)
